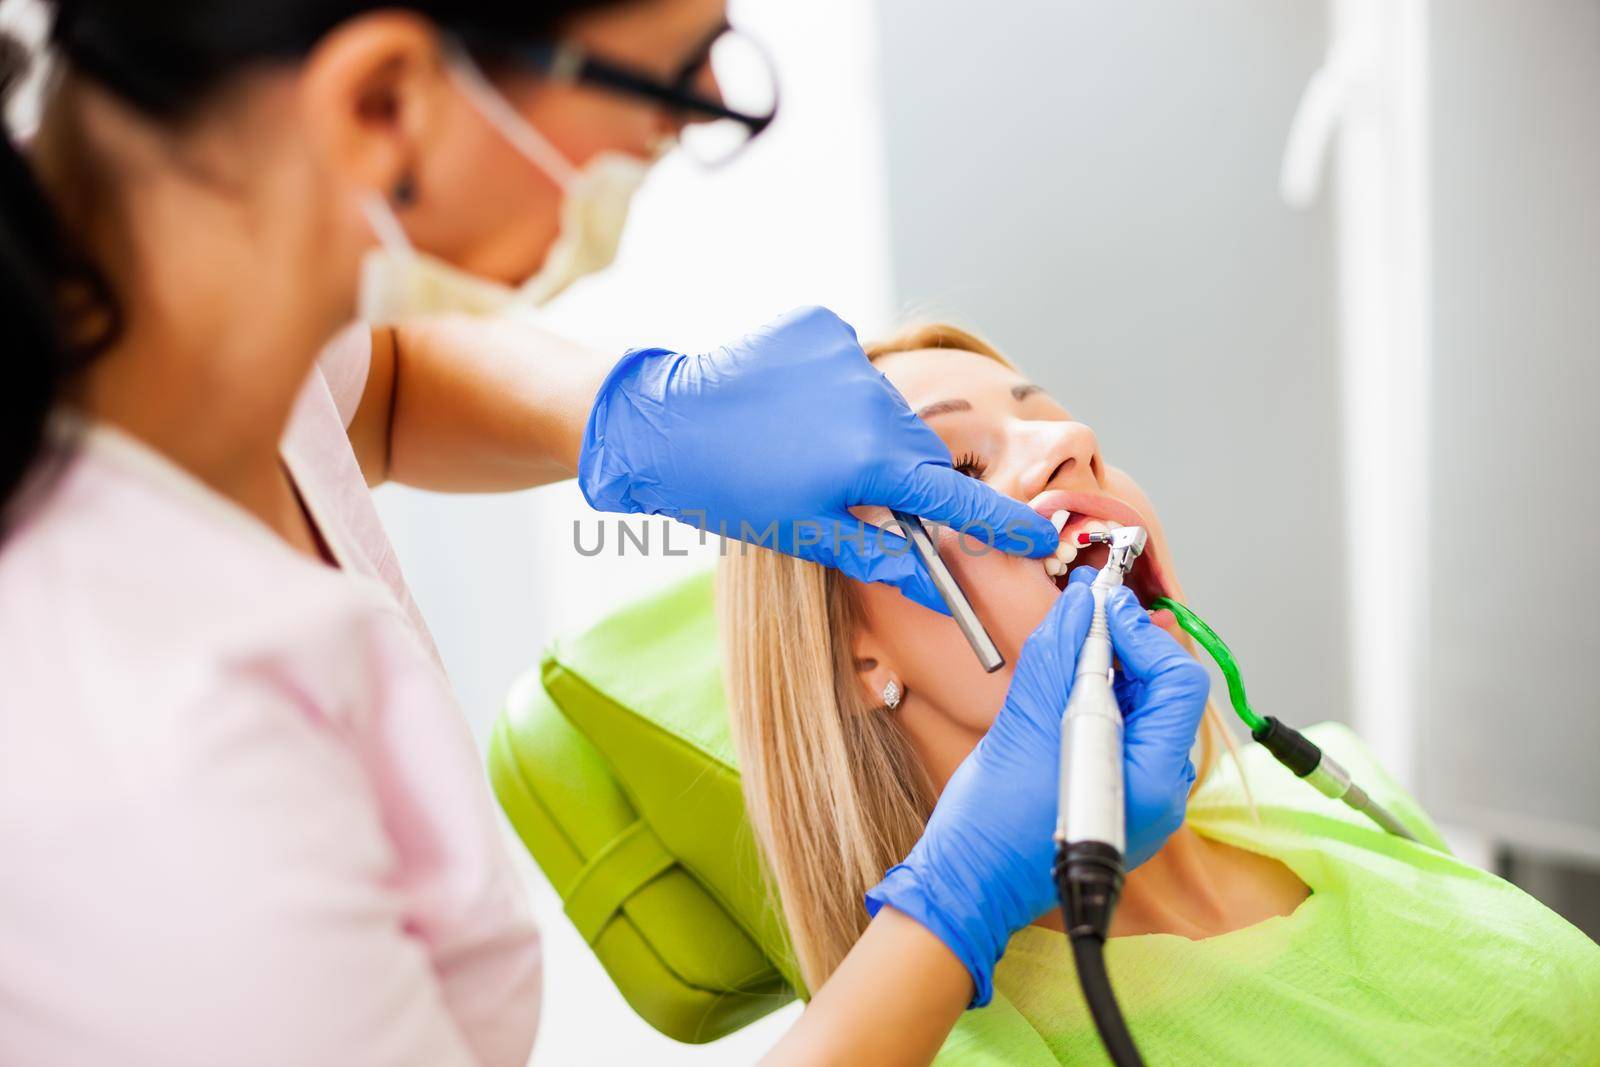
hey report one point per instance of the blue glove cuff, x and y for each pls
(605, 474)
(967, 936)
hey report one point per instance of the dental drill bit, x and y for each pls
(950, 590)
(1127, 542)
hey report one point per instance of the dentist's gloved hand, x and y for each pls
(982, 869)
(773, 438)
(1162, 692)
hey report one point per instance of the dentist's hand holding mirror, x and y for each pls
(772, 439)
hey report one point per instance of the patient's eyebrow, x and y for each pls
(943, 407)
(1025, 390)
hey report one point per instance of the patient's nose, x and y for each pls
(1069, 458)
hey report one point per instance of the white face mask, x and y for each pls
(398, 281)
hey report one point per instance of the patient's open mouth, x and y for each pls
(1077, 513)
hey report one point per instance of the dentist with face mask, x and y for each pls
(399, 282)
(241, 818)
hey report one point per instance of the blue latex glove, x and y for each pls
(771, 439)
(982, 869)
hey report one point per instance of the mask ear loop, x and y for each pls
(377, 274)
(385, 223)
(498, 112)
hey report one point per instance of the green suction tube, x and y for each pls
(1288, 746)
(1196, 628)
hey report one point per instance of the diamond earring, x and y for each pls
(891, 694)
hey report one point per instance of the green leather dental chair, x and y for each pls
(614, 764)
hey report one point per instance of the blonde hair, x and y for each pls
(835, 794)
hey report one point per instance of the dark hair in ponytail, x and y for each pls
(38, 266)
(57, 311)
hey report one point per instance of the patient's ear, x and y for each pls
(880, 681)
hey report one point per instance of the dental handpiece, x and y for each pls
(950, 590)
(1090, 834)
(1090, 804)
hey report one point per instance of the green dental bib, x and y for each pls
(1402, 954)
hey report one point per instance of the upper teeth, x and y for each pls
(1067, 550)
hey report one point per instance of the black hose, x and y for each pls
(1089, 953)
(1088, 883)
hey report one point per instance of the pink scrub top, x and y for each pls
(242, 820)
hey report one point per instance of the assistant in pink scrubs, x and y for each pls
(239, 806)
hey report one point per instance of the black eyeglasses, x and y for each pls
(718, 123)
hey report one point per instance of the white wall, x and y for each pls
(706, 257)
(1094, 186)
(1513, 721)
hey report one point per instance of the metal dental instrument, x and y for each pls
(1090, 834)
(956, 600)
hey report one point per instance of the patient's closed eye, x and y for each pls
(971, 464)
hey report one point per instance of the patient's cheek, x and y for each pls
(933, 661)
(1011, 594)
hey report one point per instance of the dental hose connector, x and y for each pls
(1089, 884)
(1306, 759)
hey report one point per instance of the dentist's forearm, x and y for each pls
(891, 1002)
(461, 404)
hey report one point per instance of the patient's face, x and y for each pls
(1013, 436)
